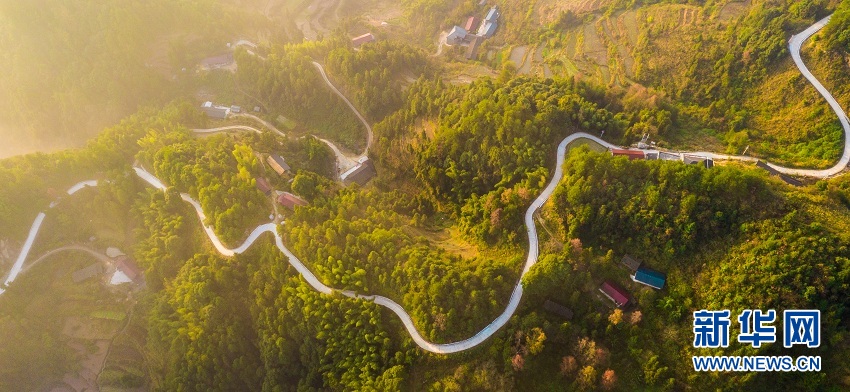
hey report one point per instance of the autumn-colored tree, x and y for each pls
(518, 362)
(568, 365)
(609, 379)
(636, 317)
(585, 349)
(616, 317)
(587, 378)
(575, 244)
(534, 340)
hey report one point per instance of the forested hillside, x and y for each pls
(721, 68)
(376, 74)
(74, 67)
(441, 229)
(288, 82)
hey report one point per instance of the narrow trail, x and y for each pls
(226, 129)
(261, 121)
(350, 105)
(531, 230)
(79, 248)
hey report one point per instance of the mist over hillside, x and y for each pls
(428, 195)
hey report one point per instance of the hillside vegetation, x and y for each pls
(722, 68)
(74, 67)
(464, 161)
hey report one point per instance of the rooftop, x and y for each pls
(632, 154)
(649, 277)
(556, 308)
(631, 263)
(362, 39)
(128, 267)
(360, 174)
(615, 293)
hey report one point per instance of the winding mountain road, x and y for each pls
(350, 105)
(226, 129)
(531, 229)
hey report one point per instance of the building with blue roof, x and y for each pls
(488, 29)
(650, 278)
(492, 15)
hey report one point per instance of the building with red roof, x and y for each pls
(263, 185)
(471, 23)
(632, 154)
(289, 200)
(129, 268)
(615, 293)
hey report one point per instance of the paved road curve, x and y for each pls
(795, 44)
(531, 230)
(227, 128)
(347, 102)
(36, 226)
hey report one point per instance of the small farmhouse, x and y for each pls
(363, 39)
(470, 23)
(263, 185)
(472, 48)
(615, 293)
(215, 62)
(278, 164)
(289, 200)
(490, 23)
(649, 277)
(129, 268)
(631, 154)
(631, 263)
(698, 160)
(360, 174)
(456, 36)
(666, 156)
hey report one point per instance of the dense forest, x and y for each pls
(440, 230)
(375, 74)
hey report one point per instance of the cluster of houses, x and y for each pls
(219, 111)
(279, 165)
(640, 274)
(464, 36)
(613, 291)
(120, 269)
(222, 111)
(664, 156)
(286, 199)
(691, 159)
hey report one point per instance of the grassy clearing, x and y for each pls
(449, 239)
(108, 315)
(592, 145)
